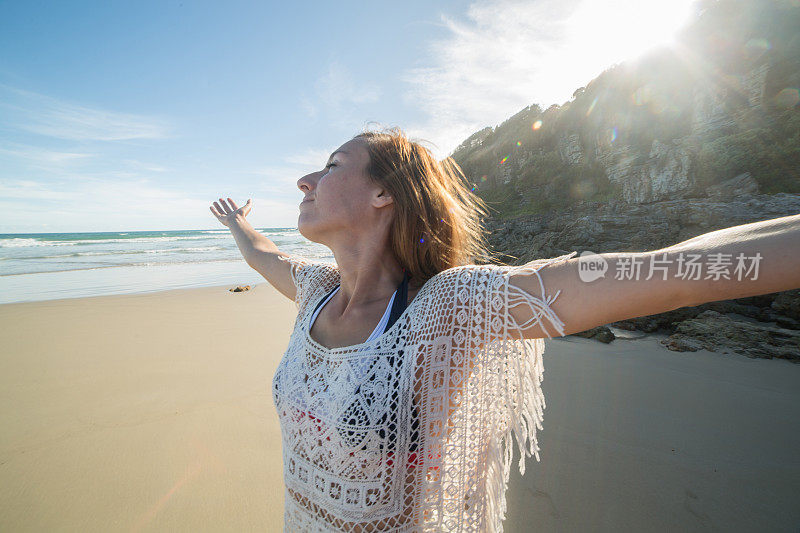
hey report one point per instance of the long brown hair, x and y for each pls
(437, 218)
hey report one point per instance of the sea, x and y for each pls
(51, 266)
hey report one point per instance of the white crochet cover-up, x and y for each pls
(412, 431)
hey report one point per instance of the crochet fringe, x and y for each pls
(526, 400)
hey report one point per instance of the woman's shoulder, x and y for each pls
(311, 277)
(459, 281)
(464, 272)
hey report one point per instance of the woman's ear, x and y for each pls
(383, 199)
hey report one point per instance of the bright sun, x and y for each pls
(624, 29)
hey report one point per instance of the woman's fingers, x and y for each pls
(223, 209)
(226, 206)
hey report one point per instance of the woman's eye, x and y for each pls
(329, 165)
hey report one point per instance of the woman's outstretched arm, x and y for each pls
(736, 262)
(259, 252)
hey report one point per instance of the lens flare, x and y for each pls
(536, 125)
(757, 47)
(503, 161)
(787, 98)
(519, 143)
(642, 95)
(591, 107)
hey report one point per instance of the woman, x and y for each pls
(411, 429)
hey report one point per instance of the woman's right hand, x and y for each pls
(227, 213)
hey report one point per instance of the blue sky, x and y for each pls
(136, 116)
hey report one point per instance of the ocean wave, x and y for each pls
(18, 242)
(125, 252)
(146, 264)
(23, 242)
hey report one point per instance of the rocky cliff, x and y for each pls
(763, 326)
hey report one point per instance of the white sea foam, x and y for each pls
(18, 242)
(22, 242)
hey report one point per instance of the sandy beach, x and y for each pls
(153, 412)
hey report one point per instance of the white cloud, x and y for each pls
(510, 54)
(149, 167)
(279, 180)
(488, 68)
(96, 194)
(125, 198)
(51, 117)
(268, 213)
(311, 158)
(308, 107)
(339, 94)
(282, 179)
(42, 157)
(100, 204)
(31, 190)
(337, 87)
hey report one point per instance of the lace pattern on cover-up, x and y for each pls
(457, 355)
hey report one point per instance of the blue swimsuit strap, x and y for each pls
(398, 306)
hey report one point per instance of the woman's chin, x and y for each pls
(304, 229)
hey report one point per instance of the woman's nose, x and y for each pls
(309, 181)
(306, 183)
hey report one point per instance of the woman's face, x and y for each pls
(340, 199)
